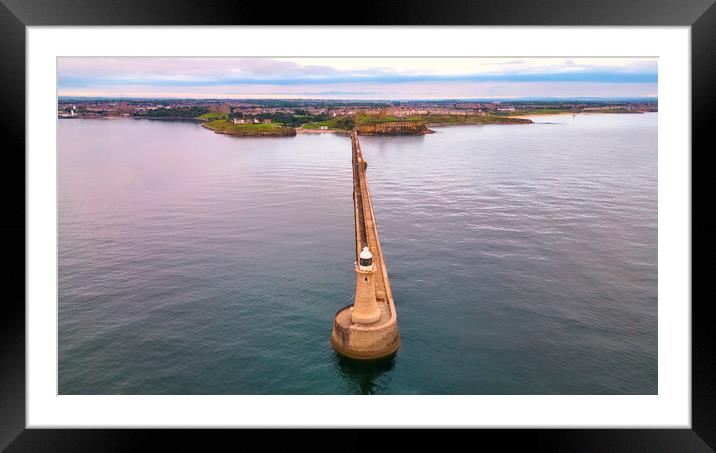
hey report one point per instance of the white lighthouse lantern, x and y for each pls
(366, 260)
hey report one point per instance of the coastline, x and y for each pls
(274, 132)
(534, 115)
(300, 130)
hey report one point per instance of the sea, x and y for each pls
(522, 258)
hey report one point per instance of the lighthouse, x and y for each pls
(365, 307)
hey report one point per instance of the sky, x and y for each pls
(357, 78)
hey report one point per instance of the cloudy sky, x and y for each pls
(358, 78)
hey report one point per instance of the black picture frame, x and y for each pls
(16, 15)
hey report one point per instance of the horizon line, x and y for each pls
(498, 98)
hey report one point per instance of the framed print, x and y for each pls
(459, 216)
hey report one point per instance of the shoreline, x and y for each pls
(278, 132)
(481, 124)
(321, 131)
(533, 115)
(545, 114)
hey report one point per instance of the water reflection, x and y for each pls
(363, 375)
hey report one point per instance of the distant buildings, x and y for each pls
(220, 108)
(250, 121)
(249, 112)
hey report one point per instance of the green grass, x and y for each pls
(223, 125)
(340, 123)
(371, 118)
(248, 129)
(314, 125)
(214, 116)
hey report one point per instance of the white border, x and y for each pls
(670, 408)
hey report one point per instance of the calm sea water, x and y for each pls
(523, 258)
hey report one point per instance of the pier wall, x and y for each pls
(382, 337)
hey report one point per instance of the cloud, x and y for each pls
(341, 76)
(581, 76)
(183, 67)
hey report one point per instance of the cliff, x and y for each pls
(394, 128)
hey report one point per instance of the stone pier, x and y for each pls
(368, 328)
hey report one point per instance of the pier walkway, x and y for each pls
(379, 338)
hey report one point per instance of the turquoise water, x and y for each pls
(523, 258)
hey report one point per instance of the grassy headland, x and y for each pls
(371, 124)
(339, 123)
(211, 116)
(446, 120)
(222, 126)
(280, 124)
